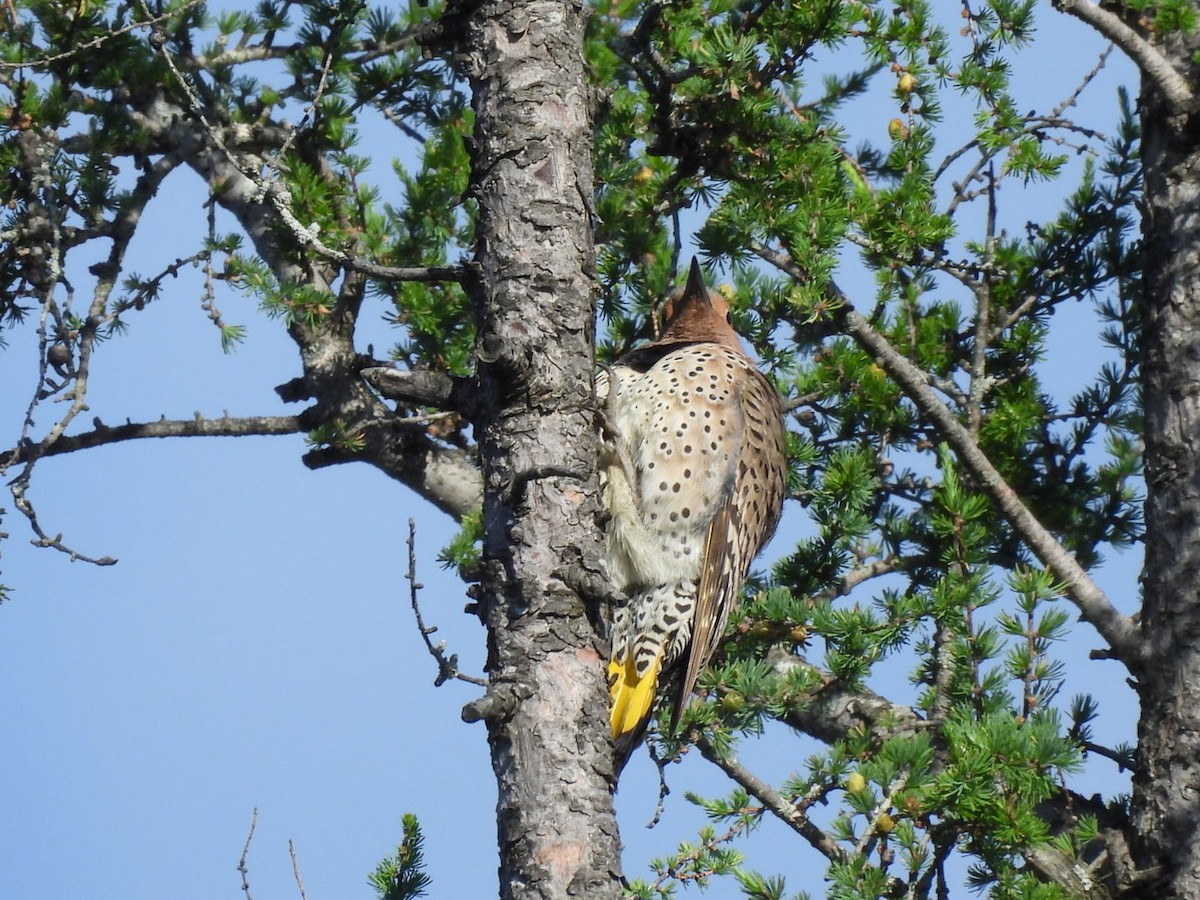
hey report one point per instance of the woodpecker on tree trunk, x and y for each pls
(693, 474)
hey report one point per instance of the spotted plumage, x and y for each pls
(693, 474)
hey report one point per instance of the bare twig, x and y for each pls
(368, 51)
(789, 814)
(296, 870)
(18, 490)
(663, 790)
(197, 426)
(447, 665)
(150, 22)
(1087, 79)
(858, 575)
(1124, 761)
(978, 388)
(1145, 55)
(45, 341)
(920, 887)
(241, 866)
(961, 270)
(791, 404)
(29, 453)
(69, 349)
(311, 111)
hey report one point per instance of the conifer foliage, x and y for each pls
(898, 234)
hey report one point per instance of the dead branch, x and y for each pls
(447, 665)
(420, 386)
(296, 870)
(1145, 55)
(791, 815)
(241, 866)
(197, 426)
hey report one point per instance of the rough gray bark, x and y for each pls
(547, 704)
(1166, 786)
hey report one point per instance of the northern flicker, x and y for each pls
(693, 472)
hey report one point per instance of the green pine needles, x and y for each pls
(401, 876)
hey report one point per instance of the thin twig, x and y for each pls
(663, 790)
(296, 870)
(683, 868)
(790, 815)
(857, 576)
(368, 50)
(75, 346)
(311, 111)
(44, 61)
(18, 490)
(794, 403)
(937, 869)
(978, 384)
(197, 426)
(1087, 79)
(447, 665)
(1124, 761)
(241, 866)
(29, 453)
(1145, 55)
(873, 831)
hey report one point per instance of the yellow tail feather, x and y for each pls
(631, 696)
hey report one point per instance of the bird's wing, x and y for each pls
(743, 524)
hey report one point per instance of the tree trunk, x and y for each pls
(547, 703)
(1166, 786)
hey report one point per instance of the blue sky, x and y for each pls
(254, 647)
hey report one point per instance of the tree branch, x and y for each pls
(448, 477)
(447, 665)
(44, 62)
(770, 798)
(1094, 606)
(1145, 55)
(101, 434)
(421, 386)
(833, 710)
(296, 870)
(241, 866)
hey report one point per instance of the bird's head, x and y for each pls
(697, 313)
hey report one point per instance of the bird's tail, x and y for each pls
(632, 695)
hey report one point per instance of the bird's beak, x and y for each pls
(696, 288)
